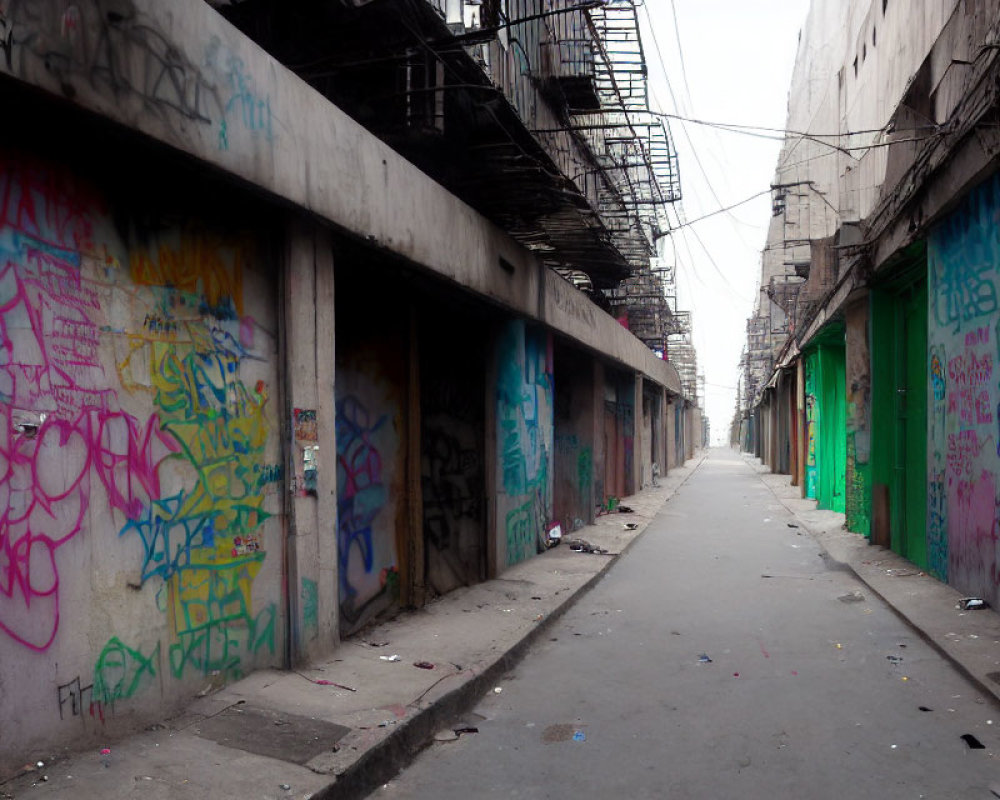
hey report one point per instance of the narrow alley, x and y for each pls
(722, 656)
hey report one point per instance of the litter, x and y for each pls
(852, 597)
(704, 659)
(393, 657)
(925, 708)
(579, 736)
(377, 644)
(423, 665)
(972, 604)
(286, 787)
(625, 510)
(497, 690)
(465, 729)
(630, 526)
(583, 546)
(895, 659)
(972, 742)
(792, 525)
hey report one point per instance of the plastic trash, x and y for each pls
(704, 659)
(625, 510)
(972, 604)
(423, 665)
(579, 736)
(393, 657)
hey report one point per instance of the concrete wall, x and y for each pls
(372, 434)
(228, 103)
(858, 497)
(524, 441)
(142, 515)
(963, 400)
(577, 404)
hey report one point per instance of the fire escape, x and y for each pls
(534, 112)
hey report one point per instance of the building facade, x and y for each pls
(876, 390)
(305, 320)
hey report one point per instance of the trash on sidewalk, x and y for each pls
(579, 736)
(630, 526)
(625, 510)
(393, 657)
(924, 708)
(497, 690)
(972, 742)
(377, 644)
(583, 546)
(465, 729)
(972, 604)
(105, 759)
(895, 659)
(423, 665)
(852, 597)
(791, 525)
(704, 659)
(553, 534)
(325, 682)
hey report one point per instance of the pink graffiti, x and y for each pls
(963, 448)
(45, 489)
(970, 370)
(972, 406)
(978, 336)
(972, 534)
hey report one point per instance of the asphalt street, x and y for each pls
(723, 656)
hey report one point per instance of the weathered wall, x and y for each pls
(858, 420)
(811, 488)
(141, 479)
(524, 437)
(963, 399)
(453, 454)
(573, 472)
(371, 433)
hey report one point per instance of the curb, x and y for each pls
(989, 692)
(387, 758)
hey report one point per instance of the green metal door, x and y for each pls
(911, 421)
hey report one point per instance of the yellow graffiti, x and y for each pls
(199, 264)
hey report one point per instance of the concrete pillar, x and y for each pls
(311, 553)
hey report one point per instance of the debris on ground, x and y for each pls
(631, 526)
(625, 510)
(704, 659)
(972, 742)
(423, 665)
(792, 525)
(972, 604)
(579, 736)
(465, 729)
(393, 657)
(852, 597)
(583, 546)
(895, 659)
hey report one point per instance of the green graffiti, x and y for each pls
(120, 671)
(585, 470)
(310, 608)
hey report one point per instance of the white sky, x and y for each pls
(737, 59)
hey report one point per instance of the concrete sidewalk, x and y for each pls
(342, 727)
(969, 639)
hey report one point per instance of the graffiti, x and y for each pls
(963, 450)
(72, 699)
(972, 532)
(243, 103)
(812, 425)
(585, 470)
(963, 256)
(937, 377)
(452, 486)
(857, 507)
(310, 608)
(937, 525)
(361, 495)
(120, 671)
(304, 424)
(268, 474)
(112, 49)
(521, 526)
(524, 407)
(197, 267)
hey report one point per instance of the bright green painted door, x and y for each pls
(911, 420)
(833, 450)
(899, 413)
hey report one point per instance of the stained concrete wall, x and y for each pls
(142, 516)
(963, 401)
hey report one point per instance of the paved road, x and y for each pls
(814, 690)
